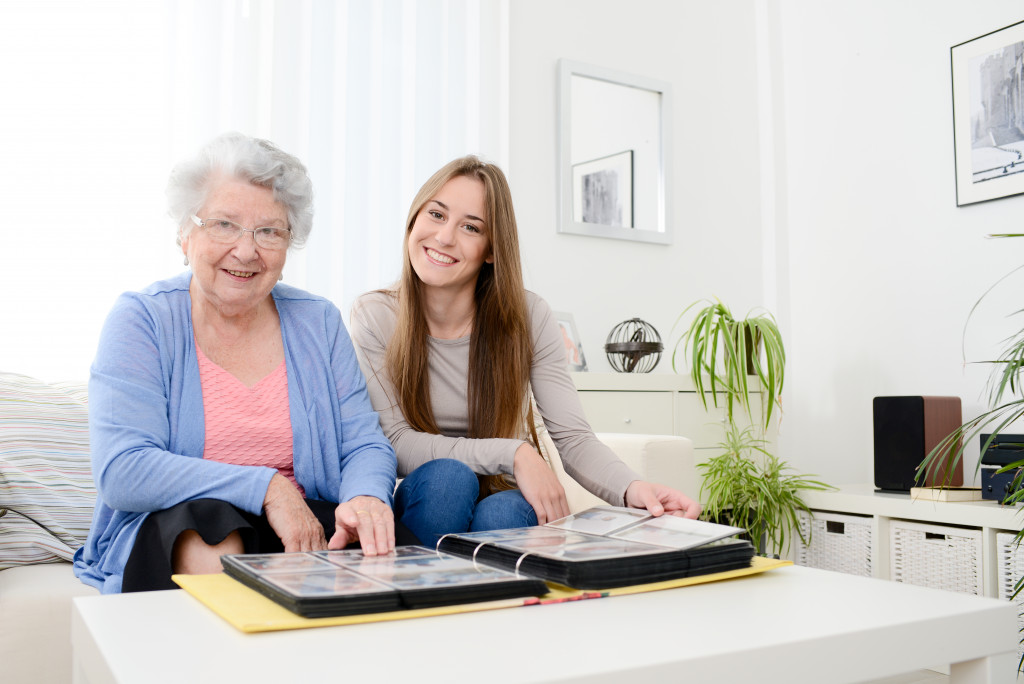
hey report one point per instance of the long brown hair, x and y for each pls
(500, 347)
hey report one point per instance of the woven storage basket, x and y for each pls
(837, 542)
(1010, 559)
(936, 556)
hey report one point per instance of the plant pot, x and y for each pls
(752, 346)
(760, 544)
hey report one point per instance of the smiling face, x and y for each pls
(448, 242)
(235, 278)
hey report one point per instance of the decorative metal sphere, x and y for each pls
(633, 346)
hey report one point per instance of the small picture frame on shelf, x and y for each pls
(573, 347)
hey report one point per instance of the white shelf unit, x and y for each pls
(1011, 568)
(988, 518)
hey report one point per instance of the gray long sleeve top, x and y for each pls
(585, 458)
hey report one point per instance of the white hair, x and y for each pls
(254, 160)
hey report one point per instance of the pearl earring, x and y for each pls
(186, 260)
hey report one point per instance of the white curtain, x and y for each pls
(101, 97)
(374, 95)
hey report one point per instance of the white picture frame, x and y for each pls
(603, 113)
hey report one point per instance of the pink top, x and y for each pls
(247, 426)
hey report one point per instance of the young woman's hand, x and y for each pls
(367, 519)
(539, 485)
(659, 499)
(290, 517)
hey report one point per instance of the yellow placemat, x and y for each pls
(250, 611)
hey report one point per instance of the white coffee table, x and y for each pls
(790, 625)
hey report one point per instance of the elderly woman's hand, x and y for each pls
(367, 519)
(291, 518)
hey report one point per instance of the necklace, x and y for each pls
(461, 334)
(465, 329)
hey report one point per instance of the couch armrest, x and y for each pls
(665, 459)
(35, 622)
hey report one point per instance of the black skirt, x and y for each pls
(149, 566)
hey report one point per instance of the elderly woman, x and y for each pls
(227, 411)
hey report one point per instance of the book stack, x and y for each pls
(945, 493)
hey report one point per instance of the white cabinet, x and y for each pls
(648, 413)
(661, 404)
(887, 511)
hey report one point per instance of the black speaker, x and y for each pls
(906, 430)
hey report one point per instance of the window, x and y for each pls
(105, 97)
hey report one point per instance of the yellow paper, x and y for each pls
(249, 611)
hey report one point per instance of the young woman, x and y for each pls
(452, 355)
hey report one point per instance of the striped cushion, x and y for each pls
(46, 488)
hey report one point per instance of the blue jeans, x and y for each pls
(443, 496)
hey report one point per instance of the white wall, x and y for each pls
(883, 266)
(706, 50)
(80, 217)
(859, 248)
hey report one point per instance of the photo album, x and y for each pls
(606, 547)
(346, 582)
(602, 547)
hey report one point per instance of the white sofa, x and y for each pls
(44, 463)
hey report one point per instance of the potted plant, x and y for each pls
(727, 351)
(1005, 389)
(748, 487)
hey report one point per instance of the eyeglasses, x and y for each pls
(227, 232)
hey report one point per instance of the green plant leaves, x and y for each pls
(752, 488)
(745, 485)
(1004, 381)
(718, 347)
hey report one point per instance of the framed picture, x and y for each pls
(988, 115)
(603, 190)
(573, 347)
(614, 122)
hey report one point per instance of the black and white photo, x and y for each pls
(988, 115)
(604, 188)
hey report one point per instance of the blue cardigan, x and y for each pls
(147, 431)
